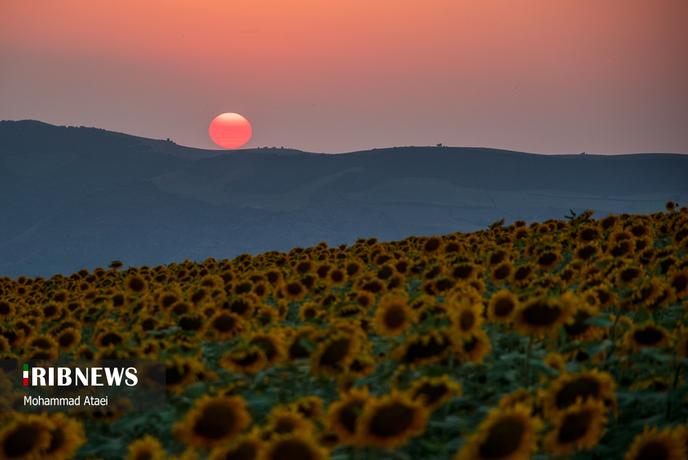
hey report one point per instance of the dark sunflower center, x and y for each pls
(289, 449)
(111, 338)
(648, 336)
(285, 425)
(503, 439)
(224, 323)
(246, 359)
(335, 352)
(418, 349)
(579, 325)
(541, 314)
(680, 282)
(466, 320)
(502, 272)
(136, 284)
(582, 387)
(653, 450)
(215, 422)
(244, 451)
(574, 427)
(348, 415)
(391, 420)
(144, 455)
(430, 393)
(503, 307)
(266, 345)
(20, 441)
(395, 317)
(463, 271)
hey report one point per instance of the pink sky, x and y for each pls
(545, 76)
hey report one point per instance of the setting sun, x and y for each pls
(230, 130)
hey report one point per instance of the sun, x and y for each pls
(230, 130)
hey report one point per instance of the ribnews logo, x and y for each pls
(63, 385)
(63, 376)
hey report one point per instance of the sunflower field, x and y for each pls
(560, 339)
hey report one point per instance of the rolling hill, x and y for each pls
(74, 197)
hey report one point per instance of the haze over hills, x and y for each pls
(80, 197)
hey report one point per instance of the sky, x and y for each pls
(565, 76)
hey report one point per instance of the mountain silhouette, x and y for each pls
(75, 197)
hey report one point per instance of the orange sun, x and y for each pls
(230, 130)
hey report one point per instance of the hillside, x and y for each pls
(80, 197)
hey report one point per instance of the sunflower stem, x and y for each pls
(612, 335)
(674, 383)
(529, 352)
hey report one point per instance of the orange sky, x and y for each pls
(538, 75)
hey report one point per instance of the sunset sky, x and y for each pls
(546, 76)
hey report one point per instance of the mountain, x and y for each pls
(75, 197)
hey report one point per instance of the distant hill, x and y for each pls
(80, 197)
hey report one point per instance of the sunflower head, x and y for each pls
(213, 420)
(502, 306)
(506, 433)
(567, 389)
(25, 436)
(145, 448)
(432, 392)
(343, 415)
(393, 315)
(578, 427)
(656, 444)
(296, 446)
(389, 422)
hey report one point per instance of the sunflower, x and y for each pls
(508, 433)
(679, 282)
(424, 349)
(66, 436)
(578, 427)
(568, 388)
(247, 360)
(310, 407)
(389, 422)
(432, 392)
(310, 311)
(393, 315)
(26, 436)
(224, 325)
(6, 309)
(472, 347)
(146, 448)
(283, 421)
(272, 343)
(502, 306)
(543, 316)
(300, 342)
(502, 272)
(181, 371)
(342, 415)
(466, 315)
(647, 335)
(334, 354)
(578, 328)
(135, 284)
(655, 444)
(299, 446)
(294, 290)
(245, 447)
(213, 420)
(555, 361)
